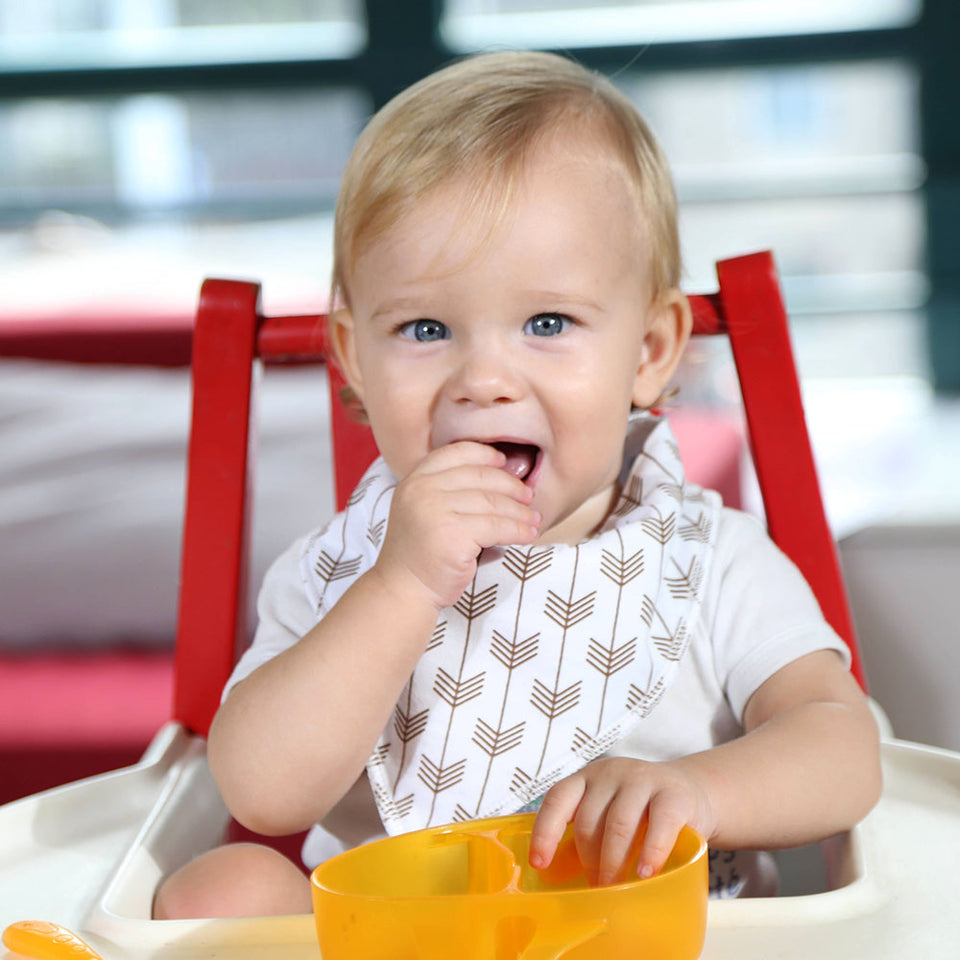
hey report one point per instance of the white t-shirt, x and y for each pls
(758, 615)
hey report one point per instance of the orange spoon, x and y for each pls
(46, 941)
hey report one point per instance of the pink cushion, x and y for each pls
(68, 716)
(712, 445)
(77, 700)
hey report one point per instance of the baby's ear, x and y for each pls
(343, 342)
(668, 324)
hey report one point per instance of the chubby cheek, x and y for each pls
(594, 412)
(403, 437)
(588, 444)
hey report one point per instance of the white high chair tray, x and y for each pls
(89, 856)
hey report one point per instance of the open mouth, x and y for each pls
(522, 458)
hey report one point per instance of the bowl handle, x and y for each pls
(556, 940)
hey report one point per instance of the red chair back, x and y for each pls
(231, 337)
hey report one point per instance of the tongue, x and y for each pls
(520, 458)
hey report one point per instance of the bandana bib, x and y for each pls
(551, 655)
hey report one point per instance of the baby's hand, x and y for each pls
(608, 801)
(457, 501)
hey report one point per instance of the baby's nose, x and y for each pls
(486, 376)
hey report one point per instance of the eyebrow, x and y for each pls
(555, 297)
(395, 305)
(559, 297)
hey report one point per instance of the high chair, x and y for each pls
(90, 855)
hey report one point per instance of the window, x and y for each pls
(477, 24)
(256, 151)
(819, 162)
(66, 34)
(252, 152)
(818, 159)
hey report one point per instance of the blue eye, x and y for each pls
(425, 330)
(546, 325)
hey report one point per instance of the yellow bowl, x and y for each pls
(466, 891)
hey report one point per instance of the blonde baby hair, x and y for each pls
(479, 119)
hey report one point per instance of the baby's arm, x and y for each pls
(807, 767)
(291, 739)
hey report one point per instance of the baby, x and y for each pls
(525, 604)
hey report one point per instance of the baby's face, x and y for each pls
(528, 331)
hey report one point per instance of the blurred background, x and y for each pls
(146, 144)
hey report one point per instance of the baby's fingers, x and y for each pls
(665, 823)
(494, 530)
(464, 452)
(559, 805)
(623, 819)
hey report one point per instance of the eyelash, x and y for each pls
(409, 328)
(566, 322)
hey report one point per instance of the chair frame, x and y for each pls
(231, 338)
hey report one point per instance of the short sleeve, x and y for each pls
(764, 614)
(284, 615)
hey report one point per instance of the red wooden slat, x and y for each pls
(707, 310)
(757, 324)
(211, 624)
(302, 338)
